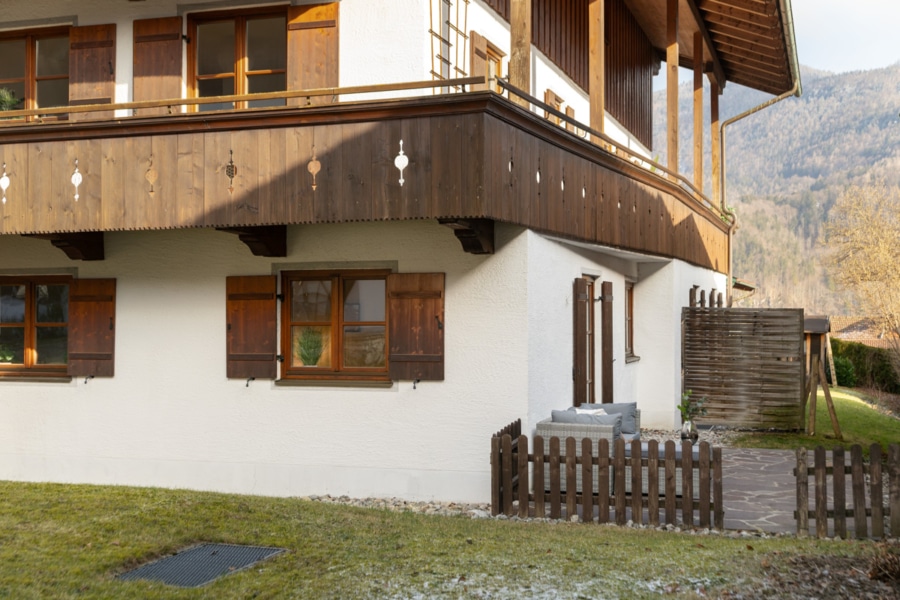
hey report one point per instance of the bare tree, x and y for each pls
(864, 234)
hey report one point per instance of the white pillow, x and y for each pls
(589, 411)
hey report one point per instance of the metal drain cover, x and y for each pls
(202, 564)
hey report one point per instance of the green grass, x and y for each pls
(859, 421)
(70, 541)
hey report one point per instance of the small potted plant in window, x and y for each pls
(690, 410)
(309, 346)
(6, 355)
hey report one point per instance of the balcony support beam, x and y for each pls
(698, 111)
(672, 85)
(263, 240)
(86, 245)
(520, 48)
(475, 235)
(597, 64)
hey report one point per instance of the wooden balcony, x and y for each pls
(471, 159)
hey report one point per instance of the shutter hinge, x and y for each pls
(186, 39)
(279, 297)
(604, 298)
(279, 357)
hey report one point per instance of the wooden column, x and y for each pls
(520, 47)
(597, 63)
(698, 112)
(672, 84)
(606, 340)
(716, 138)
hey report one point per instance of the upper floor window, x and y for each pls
(34, 325)
(34, 70)
(239, 53)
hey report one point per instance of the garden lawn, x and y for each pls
(70, 541)
(860, 423)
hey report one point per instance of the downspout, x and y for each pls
(796, 90)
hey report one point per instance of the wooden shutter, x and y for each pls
(580, 372)
(478, 58)
(312, 49)
(92, 68)
(416, 336)
(158, 51)
(92, 327)
(251, 338)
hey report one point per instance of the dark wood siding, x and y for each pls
(416, 337)
(158, 57)
(313, 48)
(92, 68)
(629, 72)
(92, 327)
(252, 334)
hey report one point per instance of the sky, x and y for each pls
(847, 35)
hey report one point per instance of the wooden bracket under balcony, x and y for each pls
(475, 235)
(267, 240)
(77, 246)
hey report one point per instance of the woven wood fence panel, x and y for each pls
(748, 363)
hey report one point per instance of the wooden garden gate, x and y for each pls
(748, 363)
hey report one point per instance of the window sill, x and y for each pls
(36, 379)
(632, 359)
(337, 383)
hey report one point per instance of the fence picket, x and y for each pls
(523, 476)
(603, 481)
(507, 495)
(858, 481)
(496, 482)
(653, 482)
(821, 494)
(687, 483)
(571, 478)
(719, 518)
(587, 481)
(539, 476)
(637, 496)
(839, 477)
(619, 480)
(704, 484)
(894, 475)
(801, 472)
(670, 482)
(554, 478)
(876, 491)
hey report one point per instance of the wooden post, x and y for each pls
(520, 48)
(716, 137)
(821, 494)
(829, 356)
(801, 472)
(834, 420)
(672, 84)
(813, 392)
(597, 64)
(698, 116)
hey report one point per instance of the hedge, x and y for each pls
(872, 365)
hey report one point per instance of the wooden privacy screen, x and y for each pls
(748, 364)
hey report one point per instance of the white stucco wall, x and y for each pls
(169, 417)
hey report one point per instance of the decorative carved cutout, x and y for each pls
(4, 183)
(151, 175)
(475, 235)
(76, 179)
(314, 167)
(269, 240)
(77, 246)
(401, 162)
(230, 171)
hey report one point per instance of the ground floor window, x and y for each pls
(629, 321)
(335, 325)
(34, 325)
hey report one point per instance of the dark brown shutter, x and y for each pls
(92, 68)
(580, 372)
(416, 337)
(606, 340)
(478, 58)
(92, 327)
(158, 51)
(252, 331)
(312, 49)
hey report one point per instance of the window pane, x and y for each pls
(364, 346)
(52, 92)
(266, 44)
(215, 48)
(311, 301)
(52, 345)
(12, 303)
(363, 300)
(311, 346)
(52, 303)
(216, 87)
(53, 56)
(13, 64)
(14, 98)
(259, 84)
(12, 345)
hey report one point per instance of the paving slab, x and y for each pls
(759, 491)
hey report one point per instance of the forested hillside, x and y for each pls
(787, 164)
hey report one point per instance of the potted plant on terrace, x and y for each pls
(690, 410)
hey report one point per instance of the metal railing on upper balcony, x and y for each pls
(13, 118)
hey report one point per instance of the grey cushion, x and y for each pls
(570, 416)
(626, 409)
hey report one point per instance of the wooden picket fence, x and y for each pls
(536, 483)
(830, 492)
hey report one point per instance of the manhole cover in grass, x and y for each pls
(202, 564)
